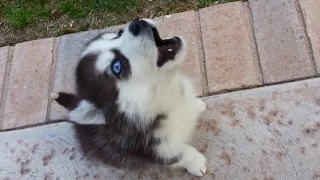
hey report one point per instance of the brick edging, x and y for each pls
(5, 84)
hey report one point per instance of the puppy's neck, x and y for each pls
(148, 99)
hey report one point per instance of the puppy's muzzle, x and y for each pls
(138, 27)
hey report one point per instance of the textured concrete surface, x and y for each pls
(175, 25)
(230, 53)
(264, 133)
(281, 40)
(310, 9)
(27, 97)
(69, 48)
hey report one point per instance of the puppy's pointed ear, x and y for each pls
(67, 100)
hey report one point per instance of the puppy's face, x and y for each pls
(114, 65)
(137, 52)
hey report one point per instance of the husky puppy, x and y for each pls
(133, 104)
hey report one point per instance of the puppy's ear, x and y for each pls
(69, 101)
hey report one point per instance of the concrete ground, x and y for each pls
(256, 64)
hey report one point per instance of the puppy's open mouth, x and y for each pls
(167, 48)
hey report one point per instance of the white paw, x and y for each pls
(54, 95)
(201, 105)
(198, 166)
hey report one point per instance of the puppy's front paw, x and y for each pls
(54, 96)
(198, 166)
(201, 105)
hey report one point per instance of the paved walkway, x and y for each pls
(267, 52)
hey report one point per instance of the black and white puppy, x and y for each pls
(134, 106)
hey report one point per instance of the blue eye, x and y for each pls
(116, 67)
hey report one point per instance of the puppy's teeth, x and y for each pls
(54, 95)
(170, 50)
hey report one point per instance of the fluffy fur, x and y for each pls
(144, 114)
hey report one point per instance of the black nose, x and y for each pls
(137, 26)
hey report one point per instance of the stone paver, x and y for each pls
(231, 56)
(69, 48)
(264, 133)
(175, 25)
(281, 40)
(310, 9)
(27, 97)
(4, 57)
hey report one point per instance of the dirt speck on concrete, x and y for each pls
(226, 157)
(97, 176)
(274, 95)
(73, 153)
(140, 175)
(251, 113)
(280, 154)
(277, 132)
(24, 171)
(245, 169)
(316, 101)
(35, 148)
(204, 147)
(235, 122)
(268, 178)
(227, 108)
(273, 113)
(318, 124)
(154, 175)
(316, 175)
(249, 139)
(314, 145)
(65, 151)
(20, 141)
(267, 120)
(262, 105)
(310, 128)
(210, 126)
(46, 159)
(47, 176)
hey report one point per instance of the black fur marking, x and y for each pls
(94, 39)
(138, 27)
(119, 34)
(69, 101)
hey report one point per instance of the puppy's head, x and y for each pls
(133, 55)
